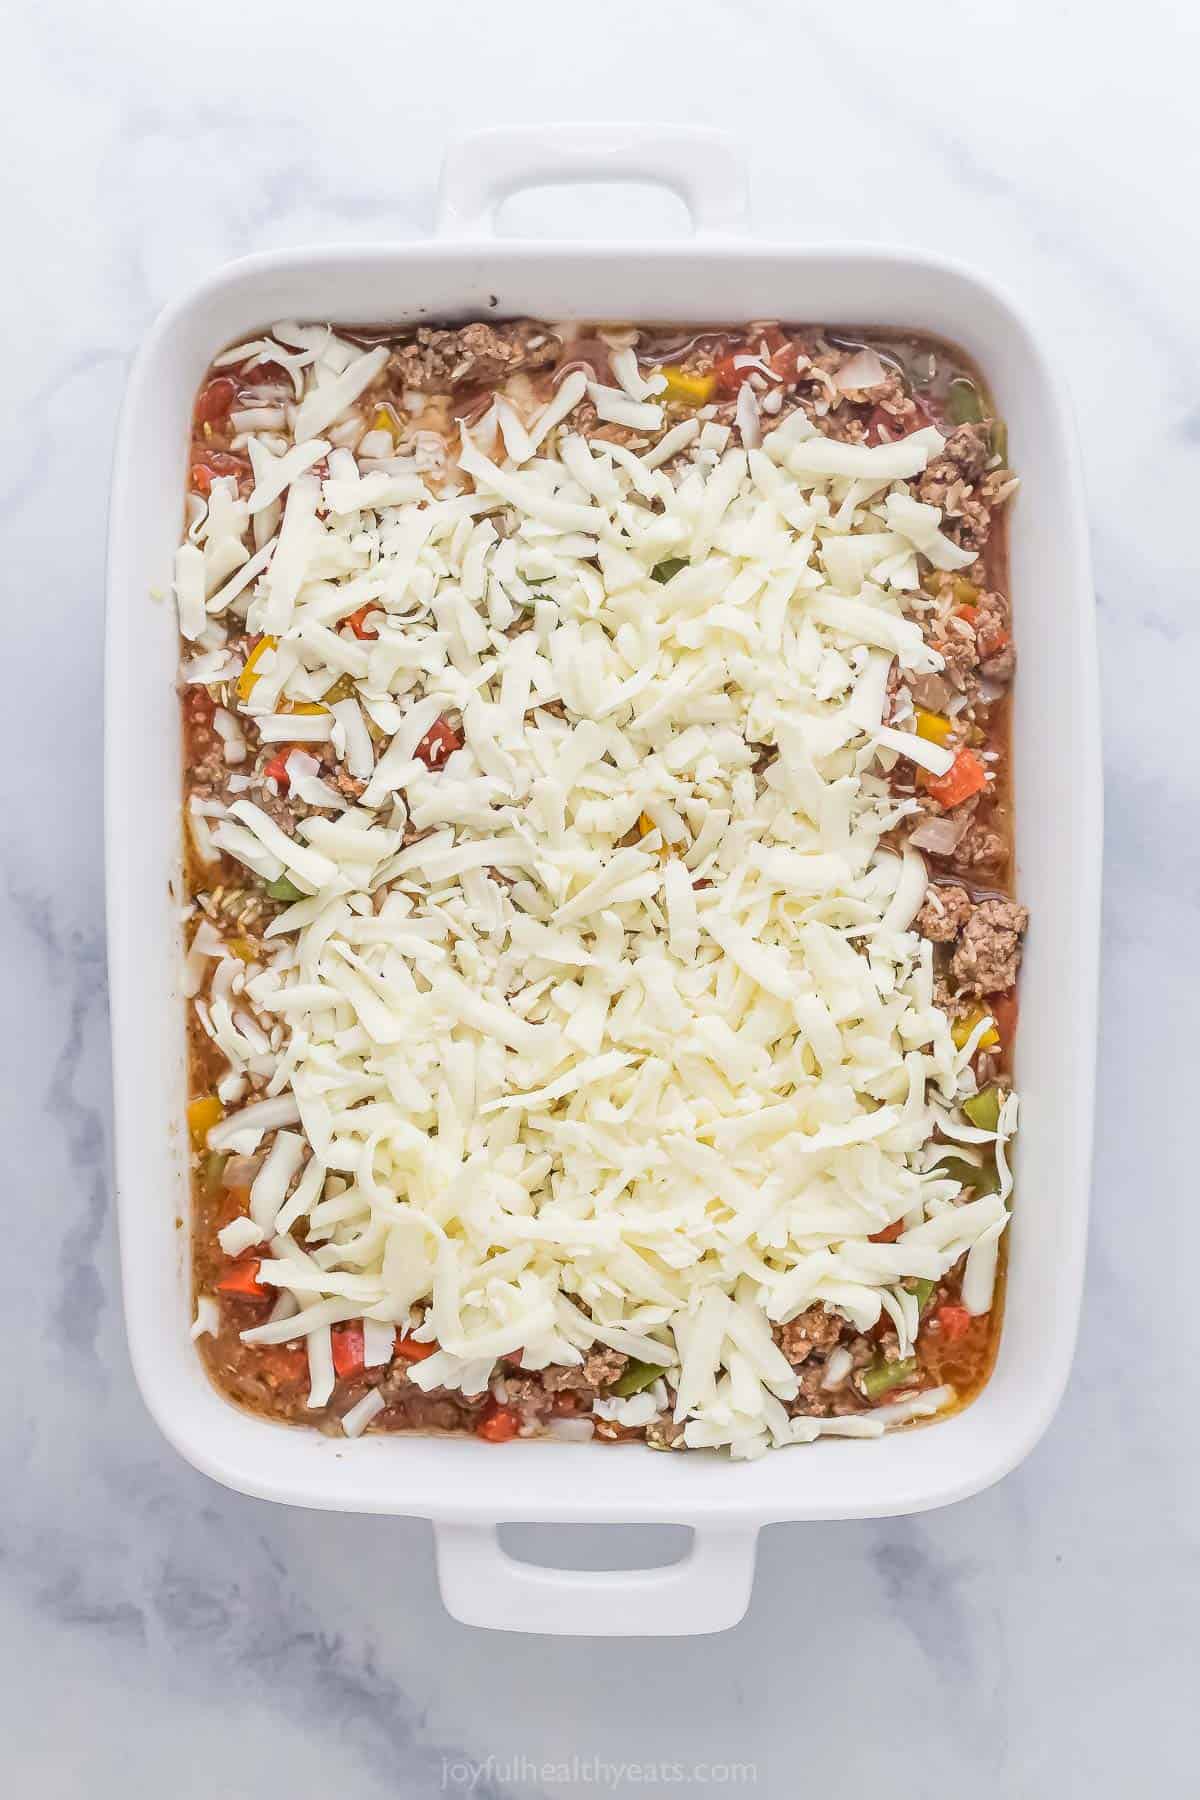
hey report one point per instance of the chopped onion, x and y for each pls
(572, 1431)
(941, 837)
(921, 1406)
(862, 371)
(240, 1171)
(837, 1368)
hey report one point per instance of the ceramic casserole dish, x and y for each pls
(465, 1487)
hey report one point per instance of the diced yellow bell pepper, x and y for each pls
(645, 826)
(383, 421)
(692, 390)
(202, 1114)
(961, 1030)
(308, 707)
(247, 678)
(965, 592)
(342, 689)
(934, 727)
(242, 948)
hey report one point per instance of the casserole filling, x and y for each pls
(600, 950)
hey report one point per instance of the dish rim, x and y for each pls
(427, 1476)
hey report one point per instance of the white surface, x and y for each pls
(1057, 848)
(1037, 1639)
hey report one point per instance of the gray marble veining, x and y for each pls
(160, 1634)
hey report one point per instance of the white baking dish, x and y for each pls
(467, 1487)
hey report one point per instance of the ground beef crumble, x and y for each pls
(541, 1392)
(476, 355)
(981, 847)
(988, 952)
(974, 639)
(956, 482)
(986, 938)
(963, 459)
(945, 912)
(812, 1330)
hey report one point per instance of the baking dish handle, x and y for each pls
(705, 168)
(708, 1591)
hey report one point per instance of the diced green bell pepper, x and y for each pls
(983, 1109)
(283, 889)
(963, 405)
(637, 1377)
(663, 571)
(923, 1290)
(882, 1377)
(983, 1179)
(214, 1168)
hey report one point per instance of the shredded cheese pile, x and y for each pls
(630, 1048)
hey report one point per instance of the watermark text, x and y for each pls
(464, 1775)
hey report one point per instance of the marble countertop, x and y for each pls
(160, 1634)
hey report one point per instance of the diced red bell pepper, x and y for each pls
(966, 776)
(231, 1203)
(208, 464)
(784, 360)
(409, 1349)
(276, 769)
(497, 1423)
(215, 401)
(240, 1280)
(781, 356)
(952, 1321)
(348, 1352)
(357, 624)
(884, 427)
(889, 1234)
(729, 375)
(262, 374)
(772, 337)
(439, 742)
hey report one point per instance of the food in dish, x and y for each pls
(600, 944)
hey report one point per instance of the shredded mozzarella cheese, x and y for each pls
(631, 1048)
